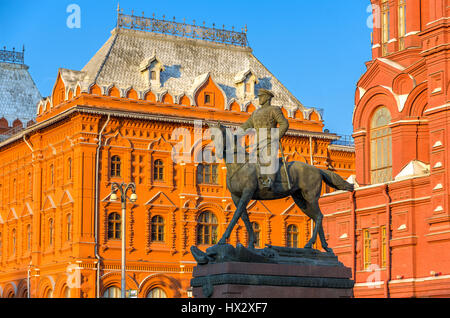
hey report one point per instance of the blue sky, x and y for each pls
(317, 49)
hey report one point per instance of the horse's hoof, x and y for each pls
(308, 246)
(329, 250)
(222, 242)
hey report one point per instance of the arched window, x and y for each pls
(292, 236)
(380, 146)
(257, 232)
(157, 229)
(158, 170)
(157, 293)
(114, 226)
(112, 292)
(115, 166)
(69, 227)
(207, 229)
(66, 292)
(50, 231)
(207, 174)
(49, 293)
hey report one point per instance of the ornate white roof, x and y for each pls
(18, 93)
(119, 62)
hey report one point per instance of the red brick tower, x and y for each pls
(394, 230)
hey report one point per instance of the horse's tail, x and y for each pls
(334, 180)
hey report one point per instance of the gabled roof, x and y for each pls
(241, 76)
(380, 65)
(18, 93)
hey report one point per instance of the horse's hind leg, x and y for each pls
(248, 224)
(240, 209)
(313, 211)
(249, 227)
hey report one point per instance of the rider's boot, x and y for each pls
(265, 183)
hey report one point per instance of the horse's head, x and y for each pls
(218, 136)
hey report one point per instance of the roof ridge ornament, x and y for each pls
(13, 56)
(182, 29)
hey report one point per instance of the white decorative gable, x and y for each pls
(151, 69)
(413, 169)
(245, 82)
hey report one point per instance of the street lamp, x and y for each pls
(123, 188)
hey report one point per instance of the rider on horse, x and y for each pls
(266, 118)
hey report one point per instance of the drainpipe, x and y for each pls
(388, 241)
(31, 262)
(353, 228)
(96, 203)
(311, 160)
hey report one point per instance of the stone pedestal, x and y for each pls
(314, 275)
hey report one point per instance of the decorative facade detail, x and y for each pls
(13, 56)
(181, 29)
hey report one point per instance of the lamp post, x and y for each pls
(28, 280)
(123, 188)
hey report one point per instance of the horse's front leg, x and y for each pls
(240, 208)
(248, 224)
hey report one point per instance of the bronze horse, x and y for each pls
(305, 189)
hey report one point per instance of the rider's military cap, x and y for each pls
(263, 91)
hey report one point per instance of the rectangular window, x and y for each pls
(69, 227)
(366, 249)
(248, 87)
(52, 174)
(115, 166)
(401, 24)
(29, 237)
(385, 25)
(383, 246)
(69, 167)
(158, 170)
(209, 99)
(207, 174)
(30, 183)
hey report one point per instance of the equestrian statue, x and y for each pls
(248, 180)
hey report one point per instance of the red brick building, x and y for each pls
(394, 230)
(113, 121)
